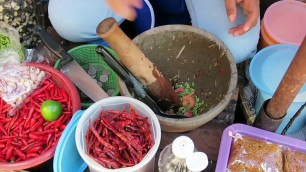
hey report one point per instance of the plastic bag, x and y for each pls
(11, 51)
(18, 81)
(250, 154)
(294, 160)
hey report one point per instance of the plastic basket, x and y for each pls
(85, 55)
(62, 82)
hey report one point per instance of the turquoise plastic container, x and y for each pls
(66, 157)
(267, 69)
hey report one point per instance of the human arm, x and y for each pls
(250, 8)
(125, 8)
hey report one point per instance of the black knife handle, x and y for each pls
(52, 44)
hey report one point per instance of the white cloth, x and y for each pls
(211, 16)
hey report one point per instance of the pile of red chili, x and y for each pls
(118, 139)
(27, 134)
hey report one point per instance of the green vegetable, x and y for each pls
(189, 88)
(5, 42)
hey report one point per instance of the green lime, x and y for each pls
(51, 110)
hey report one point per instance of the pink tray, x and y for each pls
(253, 132)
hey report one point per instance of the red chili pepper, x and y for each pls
(8, 137)
(36, 103)
(2, 128)
(46, 148)
(29, 115)
(3, 151)
(63, 126)
(1, 105)
(46, 81)
(134, 112)
(41, 89)
(49, 131)
(17, 123)
(64, 93)
(32, 155)
(51, 92)
(24, 142)
(9, 153)
(101, 140)
(20, 153)
(32, 121)
(47, 95)
(49, 125)
(59, 121)
(34, 149)
(58, 134)
(37, 137)
(6, 120)
(50, 136)
(2, 145)
(16, 144)
(11, 123)
(30, 145)
(36, 125)
(20, 125)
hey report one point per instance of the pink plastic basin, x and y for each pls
(285, 21)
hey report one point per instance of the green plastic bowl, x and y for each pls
(85, 56)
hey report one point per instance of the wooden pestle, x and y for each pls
(290, 85)
(138, 64)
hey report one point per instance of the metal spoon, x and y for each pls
(132, 82)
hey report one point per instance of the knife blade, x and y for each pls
(71, 68)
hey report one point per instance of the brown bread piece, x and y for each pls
(253, 155)
(294, 161)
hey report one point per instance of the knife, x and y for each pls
(71, 68)
(132, 82)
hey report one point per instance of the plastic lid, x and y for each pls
(182, 147)
(66, 157)
(285, 21)
(198, 161)
(268, 67)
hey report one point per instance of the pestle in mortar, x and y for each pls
(138, 64)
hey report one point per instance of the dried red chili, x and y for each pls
(120, 138)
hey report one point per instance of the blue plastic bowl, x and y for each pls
(267, 69)
(66, 157)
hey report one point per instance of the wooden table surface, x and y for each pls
(206, 138)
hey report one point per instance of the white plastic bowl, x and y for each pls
(116, 103)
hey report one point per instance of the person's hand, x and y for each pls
(125, 8)
(250, 8)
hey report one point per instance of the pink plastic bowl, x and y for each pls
(285, 21)
(64, 82)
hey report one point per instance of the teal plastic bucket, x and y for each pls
(67, 157)
(267, 69)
